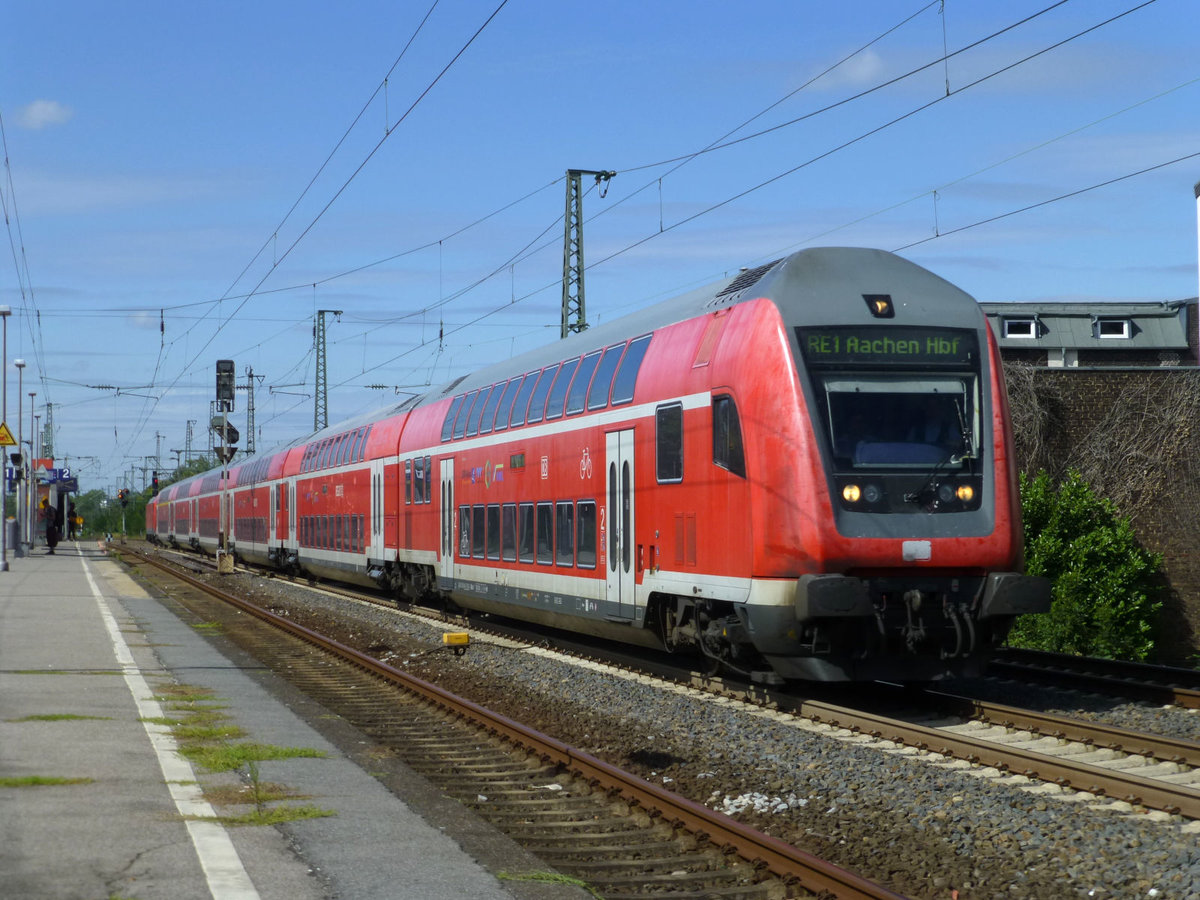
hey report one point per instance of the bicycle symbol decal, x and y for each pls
(585, 464)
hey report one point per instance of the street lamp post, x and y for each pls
(5, 312)
(30, 490)
(22, 509)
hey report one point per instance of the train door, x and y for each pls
(618, 524)
(447, 519)
(273, 513)
(376, 549)
(292, 541)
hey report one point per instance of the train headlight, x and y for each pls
(872, 493)
(945, 492)
(965, 493)
(851, 493)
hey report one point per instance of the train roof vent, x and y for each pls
(449, 389)
(746, 279)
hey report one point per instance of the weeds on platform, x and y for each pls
(548, 878)
(41, 781)
(207, 738)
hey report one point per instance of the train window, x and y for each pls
(537, 405)
(902, 423)
(418, 477)
(506, 401)
(354, 447)
(564, 533)
(489, 411)
(493, 531)
(583, 380)
(626, 380)
(464, 412)
(668, 442)
(428, 480)
(545, 533)
(478, 532)
(448, 425)
(597, 397)
(508, 530)
(477, 411)
(525, 532)
(558, 394)
(339, 449)
(585, 534)
(408, 487)
(464, 532)
(727, 436)
(522, 401)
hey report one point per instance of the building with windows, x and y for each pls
(1083, 335)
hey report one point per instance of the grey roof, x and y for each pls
(1073, 326)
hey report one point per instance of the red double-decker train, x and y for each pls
(801, 472)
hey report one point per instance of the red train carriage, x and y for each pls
(802, 472)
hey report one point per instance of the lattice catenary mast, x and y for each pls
(321, 404)
(574, 313)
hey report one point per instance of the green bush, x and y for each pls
(1105, 586)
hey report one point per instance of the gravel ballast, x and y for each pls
(926, 826)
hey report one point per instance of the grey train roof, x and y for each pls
(818, 286)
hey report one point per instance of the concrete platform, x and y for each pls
(96, 802)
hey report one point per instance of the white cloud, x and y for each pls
(42, 114)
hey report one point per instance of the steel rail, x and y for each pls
(781, 859)
(1112, 783)
(1157, 684)
(1098, 733)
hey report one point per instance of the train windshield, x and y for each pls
(901, 423)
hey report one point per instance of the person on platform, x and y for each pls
(72, 519)
(50, 519)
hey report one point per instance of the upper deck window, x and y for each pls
(558, 394)
(579, 387)
(522, 401)
(489, 411)
(477, 411)
(448, 425)
(626, 380)
(506, 402)
(597, 397)
(464, 413)
(537, 405)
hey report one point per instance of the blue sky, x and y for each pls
(185, 183)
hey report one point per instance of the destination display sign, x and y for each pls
(886, 345)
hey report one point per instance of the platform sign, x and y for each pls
(6, 437)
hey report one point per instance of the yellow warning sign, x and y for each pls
(6, 438)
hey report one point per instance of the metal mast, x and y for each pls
(249, 389)
(574, 314)
(187, 444)
(321, 406)
(48, 433)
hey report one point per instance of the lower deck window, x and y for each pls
(545, 533)
(564, 516)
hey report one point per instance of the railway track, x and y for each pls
(1142, 771)
(1155, 684)
(623, 836)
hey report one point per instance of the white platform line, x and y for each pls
(227, 877)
